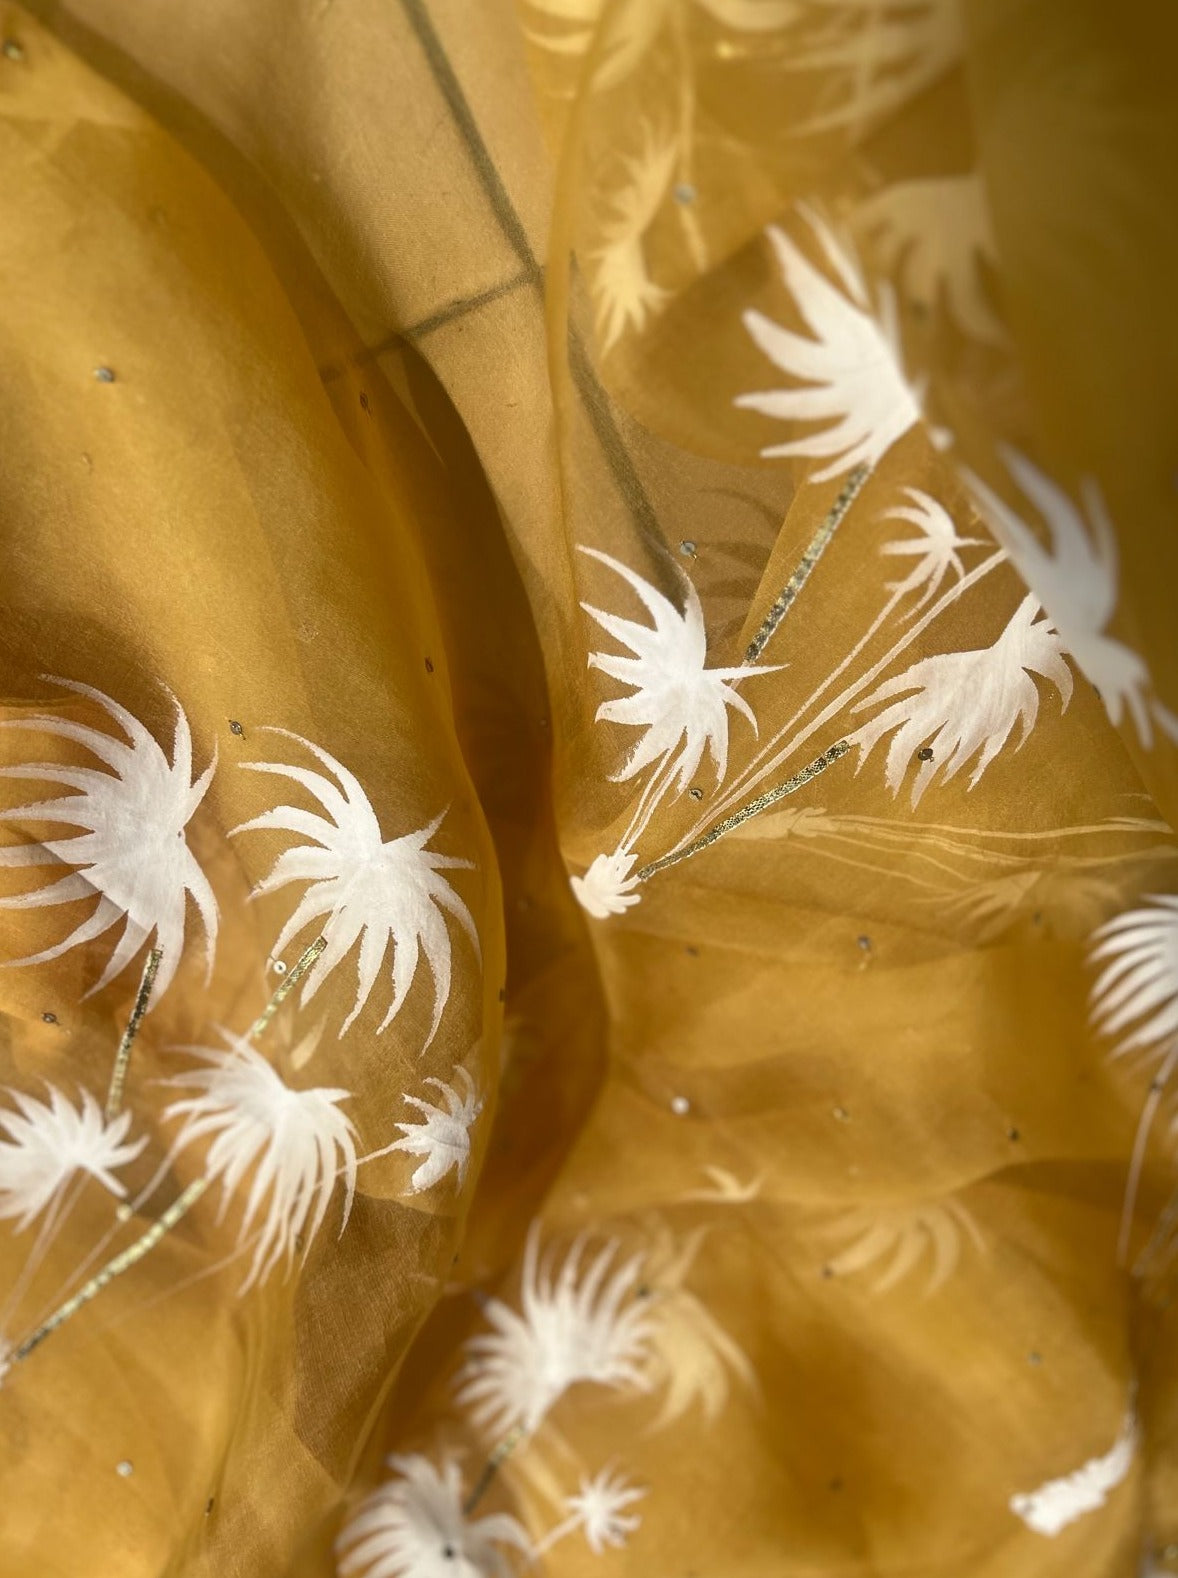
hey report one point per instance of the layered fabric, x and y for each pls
(588, 768)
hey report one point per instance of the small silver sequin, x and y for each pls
(864, 943)
(429, 665)
(685, 192)
(696, 793)
(841, 1114)
(49, 1018)
(105, 375)
(680, 1106)
(1012, 1134)
(687, 548)
(279, 966)
(125, 1469)
(13, 49)
(123, 1212)
(925, 753)
(1034, 1358)
(235, 727)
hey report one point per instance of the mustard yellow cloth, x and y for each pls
(595, 582)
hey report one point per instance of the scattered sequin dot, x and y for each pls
(687, 548)
(279, 967)
(449, 1552)
(680, 1106)
(235, 727)
(125, 1469)
(925, 753)
(685, 192)
(209, 1507)
(1034, 1358)
(13, 49)
(696, 793)
(123, 1212)
(841, 1114)
(691, 951)
(429, 665)
(364, 403)
(49, 1018)
(105, 375)
(827, 1273)
(1012, 1134)
(642, 1291)
(864, 943)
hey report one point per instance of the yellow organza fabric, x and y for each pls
(332, 330)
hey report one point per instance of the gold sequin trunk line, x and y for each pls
(118, 1076)
(114, 1268)
(754, 808)
(491, 1467)
(288, 986)
(791, 589)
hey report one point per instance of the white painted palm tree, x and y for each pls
(578, 1324)
(690, 1358)
(964, 706)
(1058, 1503)
(360, 888)
(608, 886)
(1135, 996)
(600, 1510)
(296, 1144)
(847, 369)
(416, 1527)
(901, 1236)
(680, 704)
(934, 547)
(877, 55)
(935, 234)
(626, 295)
(131, 854)
(1134, 1001)
(442, 1136)
(49, 1143)
(628, 29)
(1074, 576)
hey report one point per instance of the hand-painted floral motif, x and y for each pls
(679, 703)
(576, 1324)
(848, 368)
(600, 1510)
(362, 889)
(416, 1527)
(901, 1235)
(1135, 996)
(50, 1142)
(1075, 578)
(958, 707)
(934, 547)
(297, 1142)
(442, 1137)
(132, 852)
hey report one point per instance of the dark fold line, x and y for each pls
(436, 320)
(593, 395)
